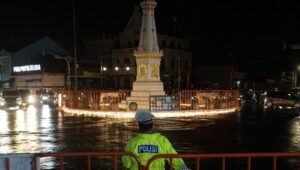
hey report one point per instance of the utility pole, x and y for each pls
(298, 68)
(295, 79)
(101, 70)
(2, 73)
(101, 67)
(175, 20)
(68, 60)
(75, 49)
(179, 74)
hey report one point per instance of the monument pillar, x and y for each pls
(148, 58)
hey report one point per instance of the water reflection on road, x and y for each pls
(43, 129)
(25, 131)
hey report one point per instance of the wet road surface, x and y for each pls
(252, 129)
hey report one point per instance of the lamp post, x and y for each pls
(179, 74)
(75, 46)
(296, 76)
(117, 79)
(68, 60)
(127, 81)
(101, 69)
(1, 72)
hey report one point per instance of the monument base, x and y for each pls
(141, 92)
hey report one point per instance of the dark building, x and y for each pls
(114, 54)
(219, 77)
(34, 67)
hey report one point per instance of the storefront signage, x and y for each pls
(26, 68)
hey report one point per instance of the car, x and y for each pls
(49, 98)
(10, 99)
(281, 99)
(27, 97)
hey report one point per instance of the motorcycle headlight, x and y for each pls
(45, 98)
(31, 99)
(2, 102)
(19, 101)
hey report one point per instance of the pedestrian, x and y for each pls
(147, 144)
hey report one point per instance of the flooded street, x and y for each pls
(252, 129)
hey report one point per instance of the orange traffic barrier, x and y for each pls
(248, 159)
(88, 155)
(107, 100)
(225, 156)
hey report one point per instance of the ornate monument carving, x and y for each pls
(148, 58)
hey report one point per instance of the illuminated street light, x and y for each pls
(127, 68)
(102, 68)
(116, 68)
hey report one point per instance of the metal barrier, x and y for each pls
(27, 161)
(225, 156)
(208, 99)
(188, 99)
(88, 155)
(16, 161)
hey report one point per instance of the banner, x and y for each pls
(164, 103)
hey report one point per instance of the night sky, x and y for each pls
(235, 31)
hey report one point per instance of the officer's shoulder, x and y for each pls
(159, 135)
(134, 138)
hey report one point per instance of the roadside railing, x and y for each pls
(245, 159)
(62, 156)
(202, 161)
(111, 100)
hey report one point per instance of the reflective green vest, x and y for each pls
(147, 145)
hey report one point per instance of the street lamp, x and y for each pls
(1, 72)
(68, 60)
(102, 68)
(75, 47)
(296, 76)
(179, 74)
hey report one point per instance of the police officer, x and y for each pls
(147, 144)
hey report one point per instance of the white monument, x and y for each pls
(148, 58)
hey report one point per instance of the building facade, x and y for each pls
(5, 71)
(115, 56)
(220, 77)
(34, 67)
